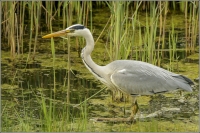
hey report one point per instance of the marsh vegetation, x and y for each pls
(43, 82)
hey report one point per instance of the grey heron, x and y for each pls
(129, 76)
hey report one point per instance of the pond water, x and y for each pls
(34, 94)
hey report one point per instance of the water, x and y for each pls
(21, 91)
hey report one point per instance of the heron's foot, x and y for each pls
(129, 119)
(134, 109)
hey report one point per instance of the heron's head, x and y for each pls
(74, 30)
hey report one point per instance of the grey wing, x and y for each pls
(148, 80)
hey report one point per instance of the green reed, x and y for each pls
(31, 5)
(173, 37)
(11, 21)
(159, 9)
(164, 28)
(162, 19)
(145, 49)
(194, 25)
(83, 121)
(52, 105)
(191, 26)
(48, 16)
(69, 16)
(150, 33)
(186, 26)
(119, 44)
(10, 30)
(182, 5)
(37, 11)
(21, 29)
(46, 113)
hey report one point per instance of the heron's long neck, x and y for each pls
(87, 60)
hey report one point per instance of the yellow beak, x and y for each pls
(57, 34)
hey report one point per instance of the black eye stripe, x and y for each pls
(77, 27)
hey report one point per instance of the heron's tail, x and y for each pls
(184, 82)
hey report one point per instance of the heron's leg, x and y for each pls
(117, 96)
(134, 108)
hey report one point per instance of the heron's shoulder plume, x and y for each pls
(77, 27)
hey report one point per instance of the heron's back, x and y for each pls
(141, 78)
